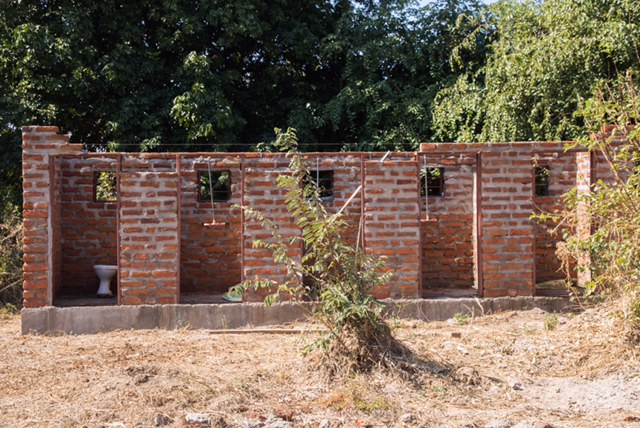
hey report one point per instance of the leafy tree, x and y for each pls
(189, 75)
(358, 337)
(392, 59)
(546, 60)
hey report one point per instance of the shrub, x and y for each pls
(340, 276)
(10, 256)
(610, 248)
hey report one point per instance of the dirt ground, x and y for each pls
(502, 370)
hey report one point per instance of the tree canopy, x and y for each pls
(217, 75)
(545, 60)
(167, 75)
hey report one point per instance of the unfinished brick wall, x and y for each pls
(346, 179)
(480, 233)
(585, 169)
(506, 249)
(507, 231)
(210, 256)
(88, 228)
(562, 178)
(447, 225)
(260, 192)
(39, 144)
(392, 224)
(56, 226)
(149, 238)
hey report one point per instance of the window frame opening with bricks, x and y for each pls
(172, 242)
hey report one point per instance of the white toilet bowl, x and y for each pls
(105, 273)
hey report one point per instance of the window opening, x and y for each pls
(324, 181)
(214, 186)
(542, 181)
(432, 181)
(104, 186)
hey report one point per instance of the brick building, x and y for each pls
(451, 219)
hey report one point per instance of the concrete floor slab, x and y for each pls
(96, 319)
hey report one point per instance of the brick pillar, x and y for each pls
(392, 224)
(262, 194)
(149, 238)
(507, 246)
(39, 145)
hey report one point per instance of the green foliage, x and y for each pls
(612, 208)
(341, 276)
(157, 75)
(462, 318)
(550, 322)
(10, 257)
(546, 58)
(106, 190)
(393, 58)
(165, 75)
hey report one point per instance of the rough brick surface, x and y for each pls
(392, 224)
(88, 229)
(149, 238)
(585, 171)
(41, 249)
(447, 226)
(261, 193)
(210, 255)
(562, 178)
(156, 230)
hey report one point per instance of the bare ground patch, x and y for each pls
(503, 370)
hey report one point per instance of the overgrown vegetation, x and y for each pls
(10, 258)
(544, 61)
(604, 223)
(339, 276)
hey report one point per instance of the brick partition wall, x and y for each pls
(584, 180)
(392, 224)
(507, 236)
(149, 237)
(447, 225)
(346, 179)
(562, 178)
(56, 227)
(479, 234)
(210, 256)
(260, 192)
(507, 243)
(39, 145)
(261, 172)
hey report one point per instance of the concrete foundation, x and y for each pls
(89, 320)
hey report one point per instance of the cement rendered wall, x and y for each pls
(479, 235)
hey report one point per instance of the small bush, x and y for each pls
(359, 394)
(339, 276)
(462, 318)
(10, 257)
(550, 322)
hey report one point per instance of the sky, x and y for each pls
(425, 2)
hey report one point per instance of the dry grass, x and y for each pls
(505, 367)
